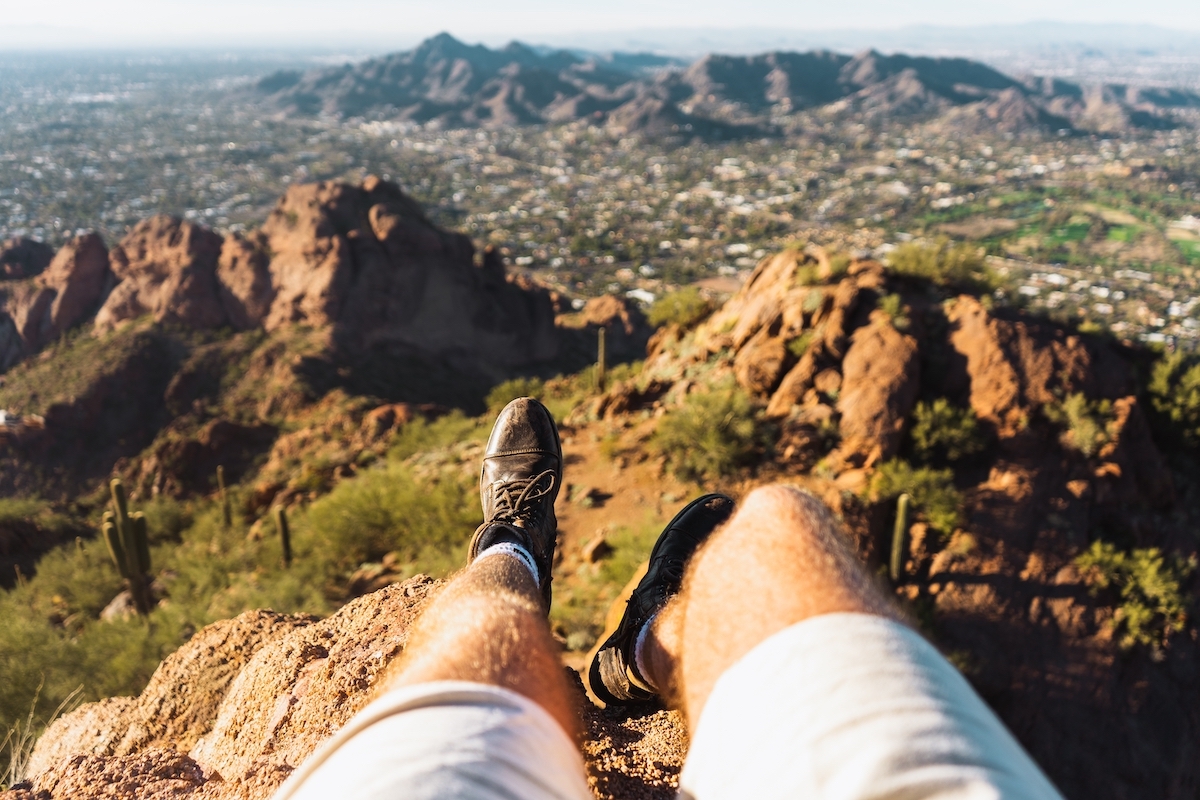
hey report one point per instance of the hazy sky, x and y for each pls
(114, 23)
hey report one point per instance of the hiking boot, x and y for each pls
(613, 674)
(519, 480)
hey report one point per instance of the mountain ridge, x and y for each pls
(447, 83)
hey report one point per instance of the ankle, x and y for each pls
(514, 550)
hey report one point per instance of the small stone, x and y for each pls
(597, 549)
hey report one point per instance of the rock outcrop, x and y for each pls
(39, 310)
(166, 268)
(837, 362)
(362, 261)
(234, 711)
(1017, 365)
(879, 385)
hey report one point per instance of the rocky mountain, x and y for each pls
(838, 358)
(446, 82)
(209, 338)
(841, 369)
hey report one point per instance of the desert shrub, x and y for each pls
(942, 262)
(1152, 603)
(384, 510)
(799, 346)
(610, 446)
(940, 431)
(24, 509)
(932, 492)
(839, 265)
(166, 518)
(711, 435)
(893, 306)
(16, 748)
(421, 435)
(504, 393)
(684, 307)
(1175, 395)
(1085, 422)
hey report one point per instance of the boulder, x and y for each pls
(178, 705)
(879, 385)
(367, 261)
(760, 363)
(232, 712)
(39, 310)
(1017, 364)
(79, 276)
(626, 331)
(244, 280)
(165, 267)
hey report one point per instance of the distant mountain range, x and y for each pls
(447, 82)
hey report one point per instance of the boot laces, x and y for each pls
(515, 500)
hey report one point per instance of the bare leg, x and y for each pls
(778, 561)
(488, 626)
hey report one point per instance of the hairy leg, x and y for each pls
(778, 561)
(488, 626)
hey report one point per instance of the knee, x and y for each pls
(785, 503)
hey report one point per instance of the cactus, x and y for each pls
(226, 508)
(601, 359)
(285, 534)
(129, 545)
(899, 538)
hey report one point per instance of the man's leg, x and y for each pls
(488, 626)
(478, 707)
(799, 678)
(781, 560)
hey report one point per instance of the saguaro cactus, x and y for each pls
(899, 538)
(285, 534)
(226, 508)
(129, 545)
(601, 359)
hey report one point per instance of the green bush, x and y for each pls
(384, 510)
(711, 435)
(1150, 587)
(799, 346)
(1175, 395)
(941, 431)
(893, 306)
(504, 393)
(685, 307)
(1085, 422)
(942, 262)
(421, 435)
(932, 492)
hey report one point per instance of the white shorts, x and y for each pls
(836, 707)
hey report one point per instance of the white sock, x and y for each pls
(639, 662)
(513, 550)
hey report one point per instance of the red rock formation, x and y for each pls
(165, 267)
(38, 311)
(881, 378)
(1017, 365)
(235, 710)
(244, 280)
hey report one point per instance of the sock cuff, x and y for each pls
(515, 551)
(639, 663)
